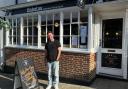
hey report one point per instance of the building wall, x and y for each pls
(76, 66)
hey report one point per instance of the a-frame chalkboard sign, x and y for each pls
(25, 76)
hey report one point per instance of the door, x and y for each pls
(110, 55)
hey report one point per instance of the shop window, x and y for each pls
(30, 30)
(14, 34)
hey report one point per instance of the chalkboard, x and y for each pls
(25, 76)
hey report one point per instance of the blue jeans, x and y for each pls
(53, 73)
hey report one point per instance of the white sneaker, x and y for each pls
(49, 87)
(56, 87)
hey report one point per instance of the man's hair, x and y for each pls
(49, 32)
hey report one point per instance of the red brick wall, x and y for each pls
(76, 66)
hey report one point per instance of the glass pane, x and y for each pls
(35, 40)
(25, 40)
(29, 21)
(57, 37)
(30, 40)
(29, 30)
(10, 32)
(14, 22)
(25, 30)
(57, 30)
(67, 29)
(74, 16)
(25, 21)
(111, 60)
(74, 29)
(112, 33)
(50, 19)
(10, 39)
(43, 40)
(50, 28)
(14, 39)
(35, 31)
(83, 16)
(66, 17)
(83, 35)
(18, 31)
(74, 41)
(43, 20)
(66, 41)
(35, 22)
(18, 22)
(18, 40)
(14, 31)
(43, 30)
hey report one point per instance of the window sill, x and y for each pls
(73, 50)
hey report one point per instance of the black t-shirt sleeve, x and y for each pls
(58, 44)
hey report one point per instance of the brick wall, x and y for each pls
(76, 66)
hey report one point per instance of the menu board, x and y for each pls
(25, 75)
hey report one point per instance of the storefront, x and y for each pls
(93, 38)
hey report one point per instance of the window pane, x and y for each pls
(66, 41)
(10, 39)
(50, 19)
(35, 31)
(35, 40)
(25, 40)
(74, 41)
(25, 30)
(25, 21)
(66, 17)
(35, 18)
(67, 29)
(83, 16)
(29, 30)
(29, 40)
(18, 40)
(14, 39)
(18, 22)
(43, 40)
(74, 29)
(57, 38)
(43, 20)
(74, 16)
(14, 22)
(83, 35)
(14, 31)
(29, 21)
(43, 30)
(50, 28)
(56, 30)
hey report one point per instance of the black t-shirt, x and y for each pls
(52, 50)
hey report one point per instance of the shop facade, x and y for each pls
(93, 37)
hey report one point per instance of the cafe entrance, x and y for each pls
(110, 58)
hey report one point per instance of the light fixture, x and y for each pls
(107, 33)
(117, 33)
(56, 24)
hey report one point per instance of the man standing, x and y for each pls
(52, 54)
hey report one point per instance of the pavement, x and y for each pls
(6, 82)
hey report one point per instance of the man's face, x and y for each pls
(50, 36)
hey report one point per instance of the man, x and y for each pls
(52, 54)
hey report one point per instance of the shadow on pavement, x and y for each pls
(6, 81)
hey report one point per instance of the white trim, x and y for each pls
(21, 31)
(39, 31)
(61, 28)
(72, 50)
(125, 45)
(90, 28)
